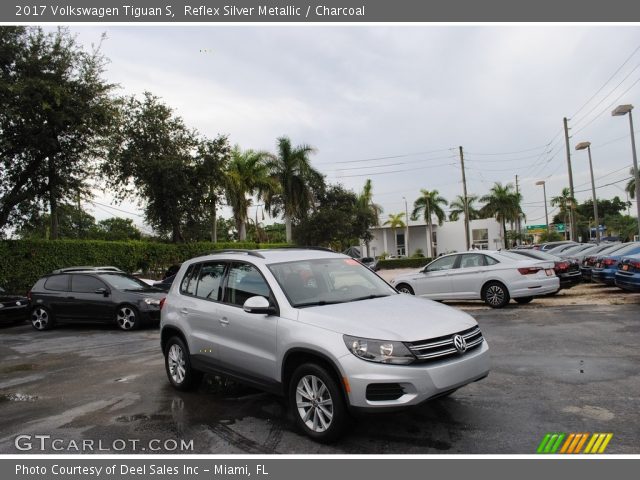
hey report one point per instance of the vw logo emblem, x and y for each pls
(460, 343)
(18, 303)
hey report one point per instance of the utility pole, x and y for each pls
(518, 227)
(466, 202)
(572, 231)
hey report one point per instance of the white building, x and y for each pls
(485, 234)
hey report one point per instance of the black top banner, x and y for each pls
(318, 11)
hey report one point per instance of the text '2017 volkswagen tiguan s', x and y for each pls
(320, 329)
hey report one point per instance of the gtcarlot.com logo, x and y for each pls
(574, 443)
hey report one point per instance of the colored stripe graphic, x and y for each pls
(573, 443)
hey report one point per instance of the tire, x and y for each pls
(495, 294)
(177, 362)
(404, 288)
(41, 318)
(317, 403)
(127, 318)
(523, 300)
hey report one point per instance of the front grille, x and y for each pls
(378, 392)
(442, 347)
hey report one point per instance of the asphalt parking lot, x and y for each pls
(555, 369)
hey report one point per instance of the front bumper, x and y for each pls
(14, 314)
(420, 381)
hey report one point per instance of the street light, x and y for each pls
(546, 214)
(587, 146)
(620, 111)
(406, 238)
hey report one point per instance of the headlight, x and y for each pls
(152, 301)
(380, 351)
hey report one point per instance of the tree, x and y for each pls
(565, 202)
(630, 187)
(150, 159)
(248, 174)
(395, 221)
(457, 208)
(55, 112)
(73, 223)
(503, 203)
(369, 212)
(429, 204)
(333, 222)
(116, 229)
(624, 226)
(298, 180)
(213, 159)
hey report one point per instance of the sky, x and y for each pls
(394, 103)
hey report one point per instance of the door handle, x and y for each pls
(184, 311)
(224, 321)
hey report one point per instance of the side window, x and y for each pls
(244, 282)
(209, 280)
(59, 283)
(85, 284)
(471, 260)
(490, 260)
(444, 263)
(188, 284)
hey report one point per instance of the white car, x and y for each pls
(494, 277)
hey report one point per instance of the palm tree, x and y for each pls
(503, 203)
(292, 169)
(429, 204)
(630, 188)
(370, 211)
(565, 202)
(395, 221)
(247, 174)
(457, 208)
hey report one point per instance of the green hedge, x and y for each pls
(22, 262)
(403, 263)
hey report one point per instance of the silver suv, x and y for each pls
(320, 329)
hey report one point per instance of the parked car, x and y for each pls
(549, 245)
(579, 250)
(13, 308)
(567, 270)
(370, 262)
(561, 250)
(93, 296)
(605, 267)
(588, 261)
(494, 277)
(165, 284)
(628, 275)
(319, 328)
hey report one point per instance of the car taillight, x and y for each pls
(609, 261)
(562, 266)
(635, 264)
(529, 270)
(162, 301)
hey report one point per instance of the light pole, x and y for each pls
(546, 214)
(587, 146)
(406, 237)
(618, 112)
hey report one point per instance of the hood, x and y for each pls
(5, 298)
(396, 317)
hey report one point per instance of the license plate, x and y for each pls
(550, 272)
(625, 267)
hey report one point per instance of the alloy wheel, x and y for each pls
(126, 318)
(495, 295)
(314, 403)
(40, 319)
(176, 364)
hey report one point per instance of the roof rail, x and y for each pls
(293, 247)
(253, 253)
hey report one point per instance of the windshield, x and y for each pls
(326, 281)
(124, 282)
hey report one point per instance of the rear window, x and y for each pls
(58, 283)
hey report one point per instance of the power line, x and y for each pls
(608, 80)
(395, 164)
(607, 184)
(387, 157)
(392, 171)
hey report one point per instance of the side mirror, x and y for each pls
(258, 304)
(102, 291)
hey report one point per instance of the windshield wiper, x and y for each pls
(319, 303)
(368, 297)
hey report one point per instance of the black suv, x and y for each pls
(94, 296)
